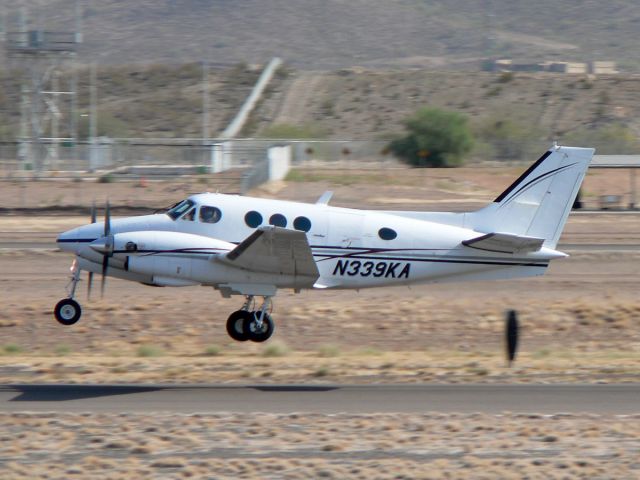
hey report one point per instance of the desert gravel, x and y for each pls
(306, 446)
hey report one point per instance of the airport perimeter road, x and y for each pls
(491, 399)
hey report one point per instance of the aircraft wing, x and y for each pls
(505, 243)
(275, 250)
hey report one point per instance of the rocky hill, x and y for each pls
(505, 110)
(335, 33)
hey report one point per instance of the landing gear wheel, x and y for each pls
(235, 325)
(67, 311)
(258, 333)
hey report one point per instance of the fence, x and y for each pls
(211, 156)
(154, 156)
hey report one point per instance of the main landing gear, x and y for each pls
(67, 310)
(249, 324)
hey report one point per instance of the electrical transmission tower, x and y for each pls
(48, 102)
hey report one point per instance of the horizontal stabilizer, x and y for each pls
(275, 250)
(505, 243)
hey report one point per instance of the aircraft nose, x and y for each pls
(68, 240)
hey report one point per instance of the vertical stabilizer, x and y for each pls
(538, 203)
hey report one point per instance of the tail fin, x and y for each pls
(538, 203)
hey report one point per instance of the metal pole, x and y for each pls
(205, 110)
(35, 122)
(632, 178)
(3, 13)
(24, 154)
(78, 22)
(55, 117)
(93, 120)
(74, 112)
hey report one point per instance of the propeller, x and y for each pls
(104, 246)
(109, 247)
(511, 334)
(93, 220)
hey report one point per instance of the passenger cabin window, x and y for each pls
(253, 219)
(302, 223)
(278, 220)
(179, 209)
(210, 214)
(387, 233)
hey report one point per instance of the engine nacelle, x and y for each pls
(166, 254)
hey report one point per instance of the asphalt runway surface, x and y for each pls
(620, 399)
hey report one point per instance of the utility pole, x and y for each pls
(93, 118)
(41, 54)
(205, 103)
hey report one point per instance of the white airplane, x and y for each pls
(253, 247)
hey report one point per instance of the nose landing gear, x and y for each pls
(249, 324)
(67, 311)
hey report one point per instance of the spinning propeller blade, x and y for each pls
(89, 285)
(90, 280)
(105, 266)
(107, 220)
(511, 334)
(109, 244)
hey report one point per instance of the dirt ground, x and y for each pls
(299, 446)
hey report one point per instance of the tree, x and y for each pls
(435, 138)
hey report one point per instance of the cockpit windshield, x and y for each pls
(179, 209)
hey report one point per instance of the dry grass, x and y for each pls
(301, 446)
(558, 365)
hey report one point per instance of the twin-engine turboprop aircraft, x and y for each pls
(253, 247)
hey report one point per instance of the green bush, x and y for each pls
(435, 138)
(12, 349)
(276, 349)
(213, 350)
(329, 350)
(106, 178)
(62, 350)
(506, 77)
(611, 139)
(149, 351)
(507, 137)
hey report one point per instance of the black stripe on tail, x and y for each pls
(520, 179)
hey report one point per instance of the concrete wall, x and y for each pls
(279, 162)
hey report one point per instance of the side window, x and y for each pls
(190, 216)
(210, 214)
(387, 233)
(278, 220)
(302, 223)
(253, 219)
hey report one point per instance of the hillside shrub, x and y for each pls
(435, 138)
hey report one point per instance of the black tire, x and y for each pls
(235, 325)
(250, 326)
(67, 311)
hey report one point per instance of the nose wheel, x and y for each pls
(67, 311)
(248, 324)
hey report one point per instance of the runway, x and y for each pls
(421, 398)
